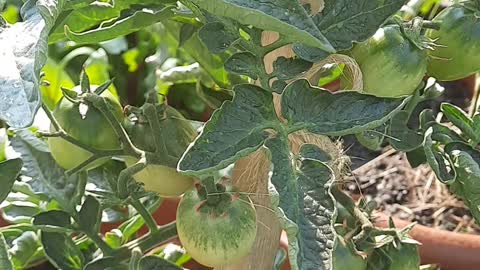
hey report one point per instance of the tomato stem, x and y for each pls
(147, 217)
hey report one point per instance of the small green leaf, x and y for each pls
(55, 218)
(438, 160)
(289, 68)
(401, 137)
(5, 262)
(283, 16)
(372, 139)
(234, 131)
(460, 119)
(322, 112)
(90, 215)
(9, 170)
(216, 37)
(114, 238)
(416, 157)
(244, 63)
(156, 263)
(121, 27)
(61, 251)
(186, 32)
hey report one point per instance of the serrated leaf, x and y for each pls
(156, 263)
(466, 161)
(306, 207)
(336, 114)
(61, 251)
(90, 214)
(138, 20)
(344, 22)
(234, 131)
(244, 63)
(9, 170)
(23, 47)
(5, 261)
(216, 37)
(401, 137)
(283, 16)
(47, 177)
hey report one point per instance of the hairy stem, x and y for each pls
(147, 217)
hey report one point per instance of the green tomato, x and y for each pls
(216, 235)
(176, 133)
(459, 37)
(391, 65)
(163, 180)
(93, 130)
(345, 258)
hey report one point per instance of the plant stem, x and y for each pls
(104, 247)
(125, 176)
(147, 217)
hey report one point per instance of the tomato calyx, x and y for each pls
(215, 199)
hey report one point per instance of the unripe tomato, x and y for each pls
(176, 134)
(459, 37)
(216, 235)
(93, 130)
(403, 256)
(392, 66)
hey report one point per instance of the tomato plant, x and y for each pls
(234, 108)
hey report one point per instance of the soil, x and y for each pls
(412, 194)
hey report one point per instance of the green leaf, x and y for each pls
(289, 68)
(416, 157)
(460, 119)
(61, 251)
(401, 137)
(244, 63)
(138, 20)
(24, 250)
(372, 139)
(437, 160)
(24, 52)
(322, 112)
(234, 131)
(344, 22)
(47, 177)
(186, 32)
(5, 261)
(56, 76)
(9, 170)
(90, 215)
(283, 16)
(466, 161)
(156, 263)
(216, 38)
(307, 206)
(56, 218)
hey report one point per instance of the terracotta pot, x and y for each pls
(449, 250)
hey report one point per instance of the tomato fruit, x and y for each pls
(459, 37)
(392, 66)
(216, 234)
(93, 130)
(176, 133)
(344, 257)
